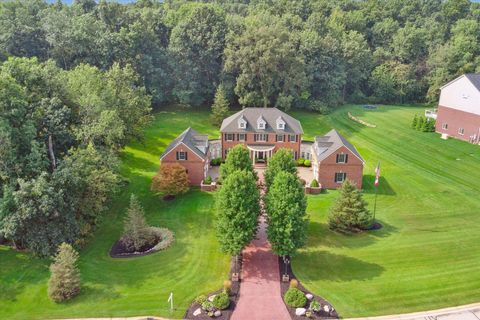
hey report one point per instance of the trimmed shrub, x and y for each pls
(227, 286)
(208, 180)
(207, 305)
(221, 301)
(295, 298)
(314, 183)
(315, 306)
(201, 299)
(307, 163)
(293, 283)
(300, 162)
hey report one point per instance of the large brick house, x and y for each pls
(458, 112)
(263, 131)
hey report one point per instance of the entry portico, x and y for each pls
(260, 152)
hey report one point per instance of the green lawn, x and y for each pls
(138, 286)
(427, 256)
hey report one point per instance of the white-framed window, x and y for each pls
(340, 177)
(281, 126)
(229, 136)
(242, 137)
(444, 126)
(342, 158)
(181, 155)
(261, 137)
(461, 131)
(292, 138)
(280, 138)
(261, 123)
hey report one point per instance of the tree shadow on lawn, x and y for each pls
(323, 265)
(320, 235)
(384, 187)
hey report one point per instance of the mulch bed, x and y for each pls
(234, 294)
(168, 198)
(376, 226)
(120, 251)
(284, 287)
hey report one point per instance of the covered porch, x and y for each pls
(260, 153)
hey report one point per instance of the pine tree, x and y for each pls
(414, 122)
(219, 107)
(136, 232)
(286, 206)
(420, 123)
(64, 282)
(171, 180)
(349, 213)
(282, 160)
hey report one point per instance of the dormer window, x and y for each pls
(242, 123)
(280, 124)
(261, 123)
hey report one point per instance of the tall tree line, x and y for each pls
(303, 54)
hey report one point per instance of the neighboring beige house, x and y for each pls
(458, 112)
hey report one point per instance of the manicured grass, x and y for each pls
(427, 256)
(138, 286)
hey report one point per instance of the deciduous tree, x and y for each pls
(171, 180)
(281, 161)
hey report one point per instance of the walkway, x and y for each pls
(260, 296)
(466, 312)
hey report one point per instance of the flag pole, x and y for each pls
(375, 204)
(377, 180)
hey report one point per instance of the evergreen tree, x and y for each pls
(64, 282)
(285, 204)
(349, 213)
(237, 205)
(420, 123)
(136, 232)
(171, 180)
(219, 107)
(282, 160)
(238, 158)
(414, 122)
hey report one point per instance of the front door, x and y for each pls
(261, 155)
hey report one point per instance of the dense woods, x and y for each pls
(77, 82)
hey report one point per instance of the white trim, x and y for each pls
(454, 80)
(195, 152)
(363, 161)
(264, 150)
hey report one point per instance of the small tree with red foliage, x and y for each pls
(170, 180)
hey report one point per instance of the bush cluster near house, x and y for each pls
(301, 162)
(349, 212)
(423, 124)
(295, 298)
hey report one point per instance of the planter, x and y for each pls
(313, 190)
(208, 187)
(235, 277)
(285, 278)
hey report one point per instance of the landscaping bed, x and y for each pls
(164, 239)
(324, 304)
(225, 314)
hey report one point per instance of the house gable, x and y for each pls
(461, 94)
(171, 155)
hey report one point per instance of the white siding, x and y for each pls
(462, 95)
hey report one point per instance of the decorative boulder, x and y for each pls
(326, 308)
(217, 313)
(197, 312)
(309, 296)
(211, 297)
(300, 311)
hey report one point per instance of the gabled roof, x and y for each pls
(270, 115)
(474, 78)
(331, 142)
(196, 142)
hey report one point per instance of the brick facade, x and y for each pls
(194, 164)
(272, 140)
(329, 166)
(451, 121)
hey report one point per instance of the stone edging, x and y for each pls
(361, 121)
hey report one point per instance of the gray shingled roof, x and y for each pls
(331, 142)
(198, 143)
(270, 115)
(474, 79)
